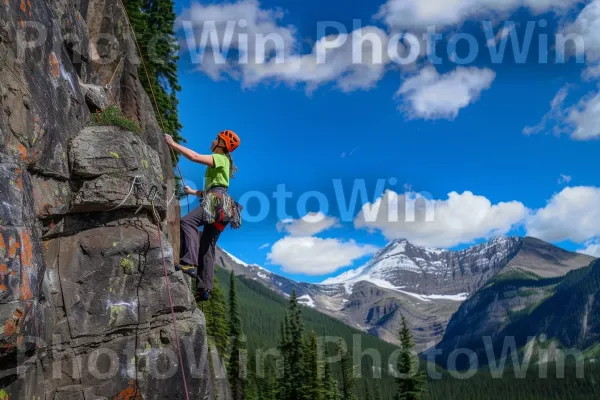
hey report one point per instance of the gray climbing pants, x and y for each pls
(198, 249)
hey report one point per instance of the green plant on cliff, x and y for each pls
(112, 115)
(153, 22)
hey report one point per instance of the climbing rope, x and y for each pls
(108, 86)
(135, 181)
(160, 239)
(173, 318)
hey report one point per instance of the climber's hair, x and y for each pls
(232, 168)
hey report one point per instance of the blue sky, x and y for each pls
(481, 138)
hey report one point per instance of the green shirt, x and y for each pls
(219, 174)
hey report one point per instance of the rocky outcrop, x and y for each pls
(84, 219)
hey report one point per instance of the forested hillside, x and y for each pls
(262, 312)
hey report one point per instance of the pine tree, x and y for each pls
(252, 387)
(312, 371)
(410, 380)
(348, 382)
(368, 395)
(153, 23)
(284, 369)
(296, 347)
(376, 394)
(215, 311)
(330, 386)
(235, 364)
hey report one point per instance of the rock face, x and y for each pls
(84, 219)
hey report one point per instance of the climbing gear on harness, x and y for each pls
(218, 207)
(231, 139)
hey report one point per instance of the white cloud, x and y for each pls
(227, 24)
(310, 224)
(587, 25)
(584, 118)
(341, 65)
(264, 246)
(461, 218)
(240, 24)
(592, 248)
(348, 154)
(581, 121)
(418, 15)
(573, 214)
(556, 114)
(316, 256)
(430, 95)
(502, 34)
(564, 178)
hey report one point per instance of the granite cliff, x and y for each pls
(84, 312)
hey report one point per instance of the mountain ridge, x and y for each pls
(426, 285)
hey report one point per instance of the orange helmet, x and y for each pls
(232, 141)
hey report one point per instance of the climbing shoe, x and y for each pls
(187, 269)
(202, 295)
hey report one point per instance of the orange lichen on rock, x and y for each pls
(54, 66)
(26, 263)
(26, 251)
(11, 325)
(23, 6)
(13, 246)
(2, 246)
(25, 288)
(131, 393)
(3, 273)
(22, 149)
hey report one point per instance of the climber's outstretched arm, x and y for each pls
(190, 154)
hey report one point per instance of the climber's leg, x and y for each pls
(189, 240)
(206, 268)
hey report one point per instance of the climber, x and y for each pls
(216, 210)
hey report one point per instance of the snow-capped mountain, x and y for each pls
(425, 285)
(425, 271)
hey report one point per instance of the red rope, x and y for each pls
(162, 252)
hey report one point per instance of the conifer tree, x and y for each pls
(368, 395)
(215, 311)
(410, 380)
(330, 386)
(312, 371)
(235, 364)
(376, 394)
(153, 23)
(348, 382)
(296, 347)
(284, 367)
